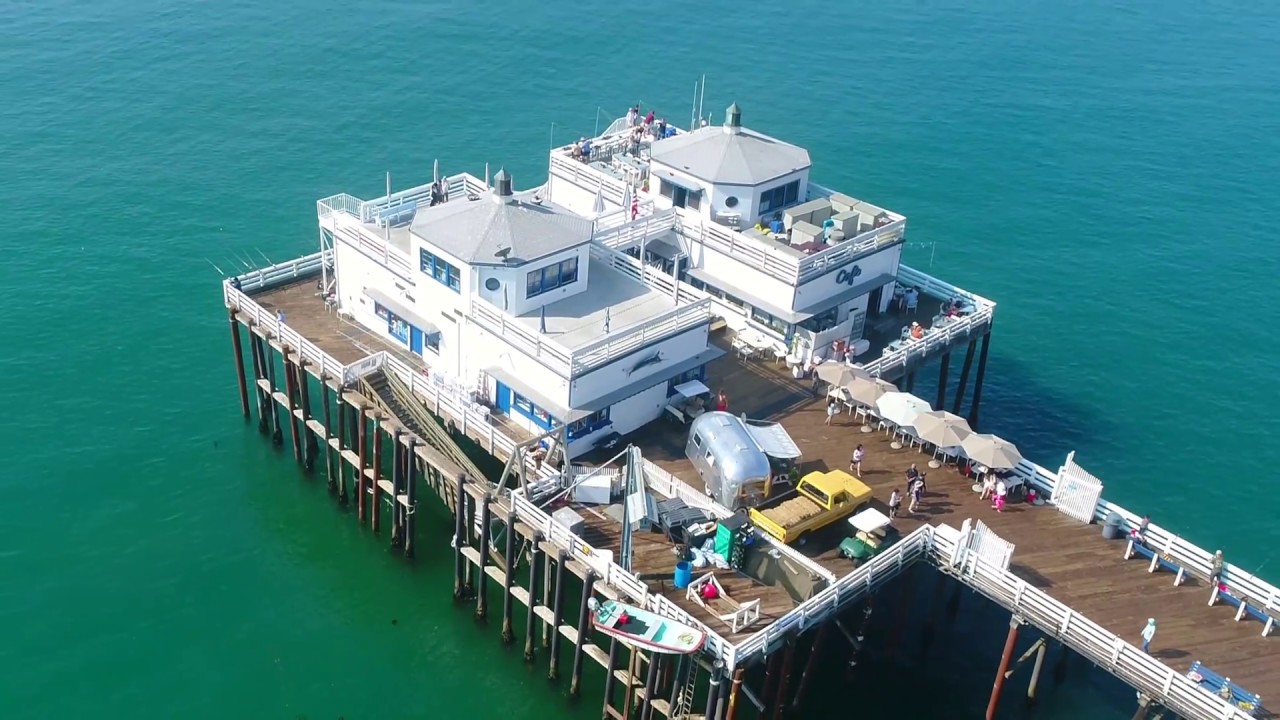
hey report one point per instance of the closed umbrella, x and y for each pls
(837, 373)
(598, 206)
(990, 450)
(942, 430)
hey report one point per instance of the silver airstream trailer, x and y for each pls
(737, 457)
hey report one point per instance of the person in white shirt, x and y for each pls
(855, 462)
(1148, 633)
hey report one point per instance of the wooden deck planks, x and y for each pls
(1068, 560)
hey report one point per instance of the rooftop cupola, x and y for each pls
(502, 192)
(733, 119)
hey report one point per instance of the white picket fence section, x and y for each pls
(984, 543)
(1077, 492)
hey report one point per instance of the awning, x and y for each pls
(792, 317)
(401, 310)
(626, 391)
(774, 440)
(661, 248)
(693, 388)
(554, 409)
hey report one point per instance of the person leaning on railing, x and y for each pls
(1139, 534)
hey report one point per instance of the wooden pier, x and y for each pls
(314, 378)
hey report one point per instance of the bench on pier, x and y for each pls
(397, 215)
(1248, 601)
(1176, 556)
(1214, 683)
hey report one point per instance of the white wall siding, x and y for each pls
(839, 280)
(623, 372)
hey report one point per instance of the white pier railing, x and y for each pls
(1143, 671)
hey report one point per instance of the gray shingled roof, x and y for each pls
(717, 155)
(477, 231)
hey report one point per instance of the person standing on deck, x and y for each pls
(833, 409)
(280, 317)
(1215, 569)
(722, 402)
(917, 492)
(1148, 633)
(895, 501)
(855, 462)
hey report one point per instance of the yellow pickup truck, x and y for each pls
(819, 499)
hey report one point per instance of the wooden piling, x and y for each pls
(557, 614)
(459, 536)
(535, 569)
(1009, 643)
(977, 382)
(713, 693)
(772, 660)
(1035, 672)
(309, 448)
(265, 414)
(784, 682)
(277, 432)
(676, 680)
(375, 504)
(509, 577)
(362, 433)
(731, 710)
(814, 651)
(329, 454)
(467, 508)
(964, 376)
(944, 370)
(291, 393)
(548, 582)
(411, 490)
(482, 584)
(343, 444)
(239, 352)
(584, 633)
(628, 695)
(1144, 705)
(397, 487)
(650, 684)
(610, 679)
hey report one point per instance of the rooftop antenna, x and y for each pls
(486, 176)
(387, 227)
(693, 107)
(703, 94)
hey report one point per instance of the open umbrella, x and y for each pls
(868, 390)
(941, 429)
(992, 451)
(900, 408)
(837, 374)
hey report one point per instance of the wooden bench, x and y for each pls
(1266, 612)
(1174, 558)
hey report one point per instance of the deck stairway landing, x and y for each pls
(394, 398)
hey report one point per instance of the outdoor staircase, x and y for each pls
(397, 400)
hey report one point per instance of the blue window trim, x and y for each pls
(550, 277)
(439, 270)
(527, 408)
(698, 373)
(397, 327)
(589, 424)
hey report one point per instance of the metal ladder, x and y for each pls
(684, 698)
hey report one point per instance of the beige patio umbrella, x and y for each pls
(867, 390)
(942, 430)
(838, 374)
(990, 450)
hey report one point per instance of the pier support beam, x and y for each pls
(277, 432)
(784, 682)
(943, 377)
(362, 432)
(1035, 672)
(375, 503)
(610, 680)
(964, 376)
(291, 393)
(239, 352)
(482, 577)
(731, 711)
(329, 470)
(459, 536)
(650, 686)
(557, 614)
(467, 505)
(411, 492)
(584, 633)
(310, 448)
(509, 577)
(1144, 706)
(814, 652)
(1009, 643)
(259, 374)
(911, 380)
(397, 489)
(977, 382)
(548, 583)
(343, 445)
(713, 693)
(535, 570)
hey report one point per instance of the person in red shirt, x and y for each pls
(722, 402)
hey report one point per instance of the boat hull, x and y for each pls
(643, 629)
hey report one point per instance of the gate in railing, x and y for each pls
(1077, 492)
(985, 544)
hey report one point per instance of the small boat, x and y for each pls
(651, 631)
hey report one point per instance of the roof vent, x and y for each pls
(502, 186)
(733, 119)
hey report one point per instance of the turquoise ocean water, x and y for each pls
(1106, 171)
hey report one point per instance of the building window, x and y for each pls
(823, 321)
(779, 197)
(589, 424)
(731, 202)
(399, 329)
(698, 373)
(443, 272)
(431, 341)
(680, 196)
(769, 321)
(382, 312)
(527, 408)
(553, 276)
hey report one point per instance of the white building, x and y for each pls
(810, 281)
(506, 298)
